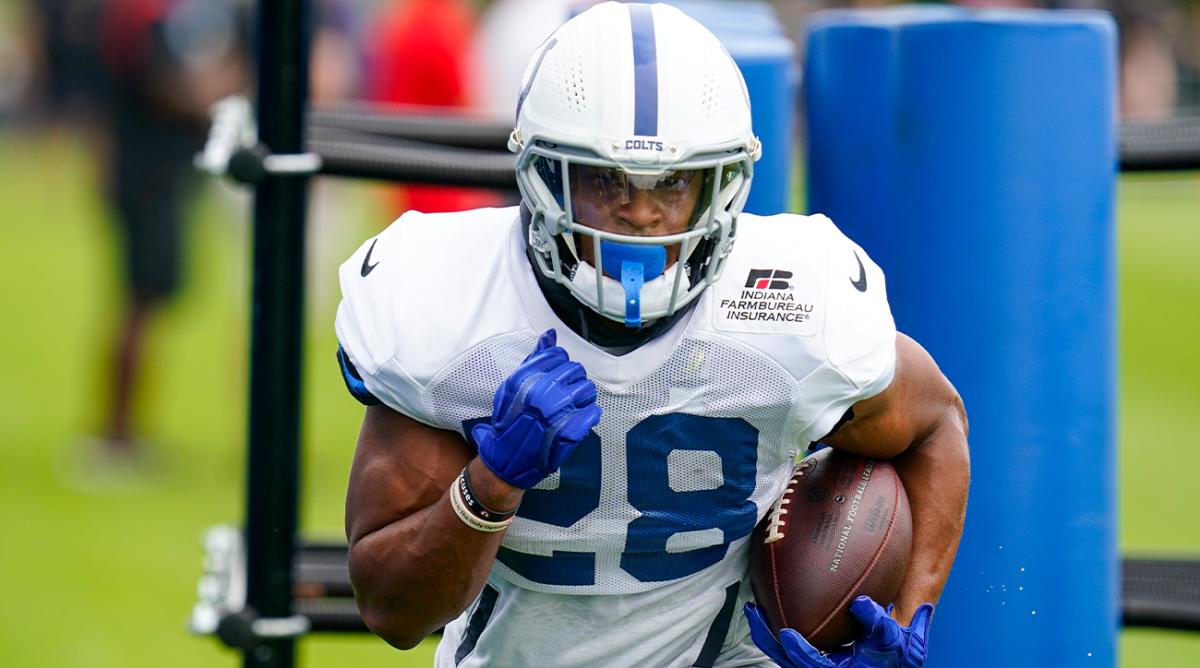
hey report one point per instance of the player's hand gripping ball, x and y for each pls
(838, 539)
(842, 529)
(540, 413)
(884, 643)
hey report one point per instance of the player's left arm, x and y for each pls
(920, 424)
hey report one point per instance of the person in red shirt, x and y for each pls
(418, 53)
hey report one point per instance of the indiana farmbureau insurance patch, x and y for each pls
(765, 297)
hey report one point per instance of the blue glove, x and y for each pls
(539, 415)
(791, 650)
(884, 643)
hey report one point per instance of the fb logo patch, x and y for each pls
(768, 279)
(643, 145)
(772, 301)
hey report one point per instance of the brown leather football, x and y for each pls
(842, 529)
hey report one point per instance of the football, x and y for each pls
(842, 529)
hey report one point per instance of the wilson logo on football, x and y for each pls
(768, 279)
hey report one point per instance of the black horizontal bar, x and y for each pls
(1159, 593)
(1162, 145)
(332, 615)
(412, 162)
(1167, 145)
(426, 124)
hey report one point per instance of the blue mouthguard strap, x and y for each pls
(635, 264)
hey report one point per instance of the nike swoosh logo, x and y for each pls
(367, 267)
(861, 283)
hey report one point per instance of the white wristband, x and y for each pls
(460, 508)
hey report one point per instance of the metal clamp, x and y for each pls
(245, 630)
(280, 627)
(221, 609)
(222, 588)
(233, 149)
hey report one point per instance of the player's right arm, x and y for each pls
(419, 553)
(414, 564)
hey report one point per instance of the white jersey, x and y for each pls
(634, 553)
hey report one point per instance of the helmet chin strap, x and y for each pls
(635, 264)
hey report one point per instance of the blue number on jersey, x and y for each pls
(665, 512)
(577, 494)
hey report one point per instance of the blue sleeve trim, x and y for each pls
(354, 382)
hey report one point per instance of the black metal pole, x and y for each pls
(273, 472)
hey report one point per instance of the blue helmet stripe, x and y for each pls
(645, 71)
(532, 75)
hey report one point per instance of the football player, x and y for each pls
(579, 408)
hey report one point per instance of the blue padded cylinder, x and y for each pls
(972, 153)
(755, 38)
(767, 65)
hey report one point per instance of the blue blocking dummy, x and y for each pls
(756, 40)
(972, 153)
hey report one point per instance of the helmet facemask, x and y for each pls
(631, 278)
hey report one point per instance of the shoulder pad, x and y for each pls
(418, 295)
(799, 289)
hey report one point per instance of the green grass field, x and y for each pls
(105, 574)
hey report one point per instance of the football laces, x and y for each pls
(776, 520)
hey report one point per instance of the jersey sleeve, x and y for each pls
(368, 325)
(859, 333)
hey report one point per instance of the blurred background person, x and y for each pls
(165, 62)
(1150, 44)
(1187, 37)
(1149, 72)
(335, 74)
(418, 53)
(335, 60)
(509, 32)
(71, 77)
(18, 64)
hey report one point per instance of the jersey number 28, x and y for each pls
(667, 506)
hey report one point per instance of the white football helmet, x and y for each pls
(641, 96)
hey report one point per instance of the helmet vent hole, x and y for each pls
(710, 94)
(570, 82)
